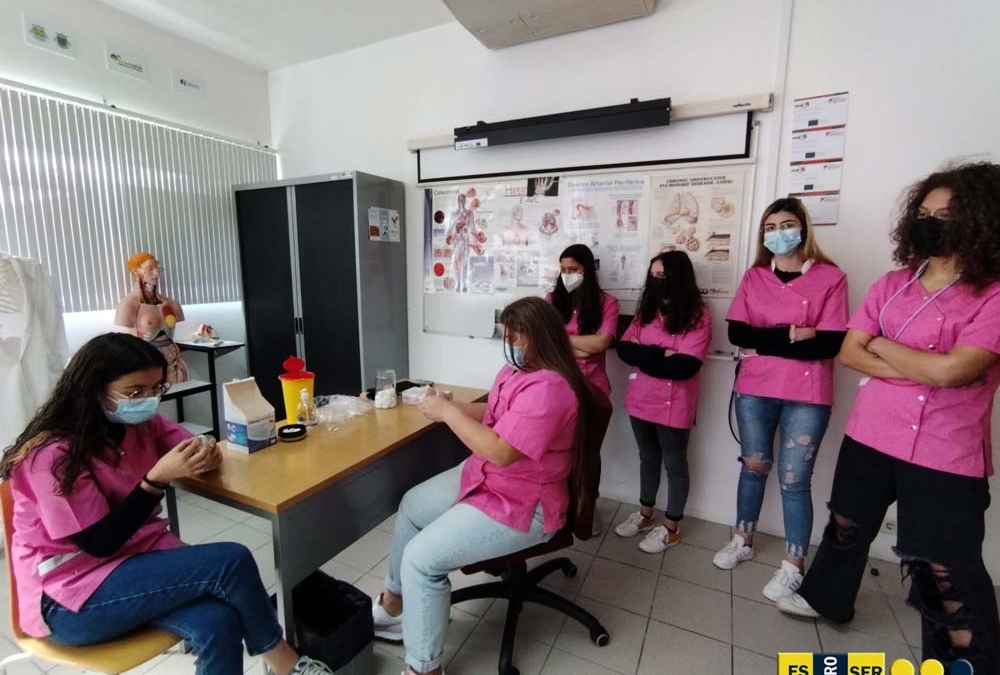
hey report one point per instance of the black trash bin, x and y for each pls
(333, 623)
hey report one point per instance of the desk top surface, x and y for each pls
(281, 475)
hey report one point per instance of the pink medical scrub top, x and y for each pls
(667, 402)
(817, 299)
(43, 557)
(942, 429)
(593, 367)
(535, 411)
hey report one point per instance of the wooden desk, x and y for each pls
(324, 492)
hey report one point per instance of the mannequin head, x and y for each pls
(146, 270)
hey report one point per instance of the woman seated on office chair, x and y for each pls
(511, 494)
(91, 558)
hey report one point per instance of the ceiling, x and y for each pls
(272, 34)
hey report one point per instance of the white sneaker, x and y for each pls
(387, 626)
(733, 554)
(785, 581)
(595, 528)
(635, 524)
(308, 666)
(795, 604)
(660, 539)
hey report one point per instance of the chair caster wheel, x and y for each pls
(601, 639)
(570, 571)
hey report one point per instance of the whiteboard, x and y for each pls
(704, 139)
(625, 218)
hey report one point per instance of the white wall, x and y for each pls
(236, 102)
(225, 317)
(357, 110)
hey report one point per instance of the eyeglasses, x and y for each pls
(774, 227)
(143, 392)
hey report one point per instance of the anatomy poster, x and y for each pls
(700, 213)
(463, 218)
(529, 233)
(610, 214)
(505, 237)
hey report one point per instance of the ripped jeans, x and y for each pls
(941, 525)
(801, 427)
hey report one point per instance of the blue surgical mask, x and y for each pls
(783, 242)
(514, 354)
(134, 411)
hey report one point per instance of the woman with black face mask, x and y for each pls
(666, 344)
(927, 340)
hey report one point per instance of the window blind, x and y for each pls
(82, 188)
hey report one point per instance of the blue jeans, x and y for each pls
(435, 536)
(211, 595)
(802, 428)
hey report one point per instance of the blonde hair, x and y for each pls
(809, 246)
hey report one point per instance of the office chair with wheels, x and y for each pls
(112, 657)
(519, 585)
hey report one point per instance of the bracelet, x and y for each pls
(159, 486)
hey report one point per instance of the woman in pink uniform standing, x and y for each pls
(511, 494)
(789, 317)
(927, 339)
(666, 343)
(589, 314)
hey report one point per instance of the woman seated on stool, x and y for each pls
(92, 559)
(511, 494)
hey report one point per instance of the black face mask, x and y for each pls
(927, 235)
(658, 284)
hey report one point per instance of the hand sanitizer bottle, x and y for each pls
(305, 412)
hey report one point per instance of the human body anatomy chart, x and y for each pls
(505, 237)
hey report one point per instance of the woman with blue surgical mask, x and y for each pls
(788, 318)
(92, 558)
(590, 316)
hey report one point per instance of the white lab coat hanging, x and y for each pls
(33, 348)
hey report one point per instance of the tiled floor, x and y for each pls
(672, 612)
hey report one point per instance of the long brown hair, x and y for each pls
(548, 349)
(74, 412)
(809, 246)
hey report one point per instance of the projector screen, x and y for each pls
(703, 139)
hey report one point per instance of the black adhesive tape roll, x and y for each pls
(290, 433)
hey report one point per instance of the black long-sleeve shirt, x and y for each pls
(107, 535)
(650, 360)
(774, 342)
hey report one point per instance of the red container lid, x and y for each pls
(294, 370)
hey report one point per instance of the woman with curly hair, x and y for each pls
(927, 339)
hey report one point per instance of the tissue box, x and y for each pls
(249, 417)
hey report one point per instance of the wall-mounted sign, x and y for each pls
(187, 83)
(49, 36)
(126, 63)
